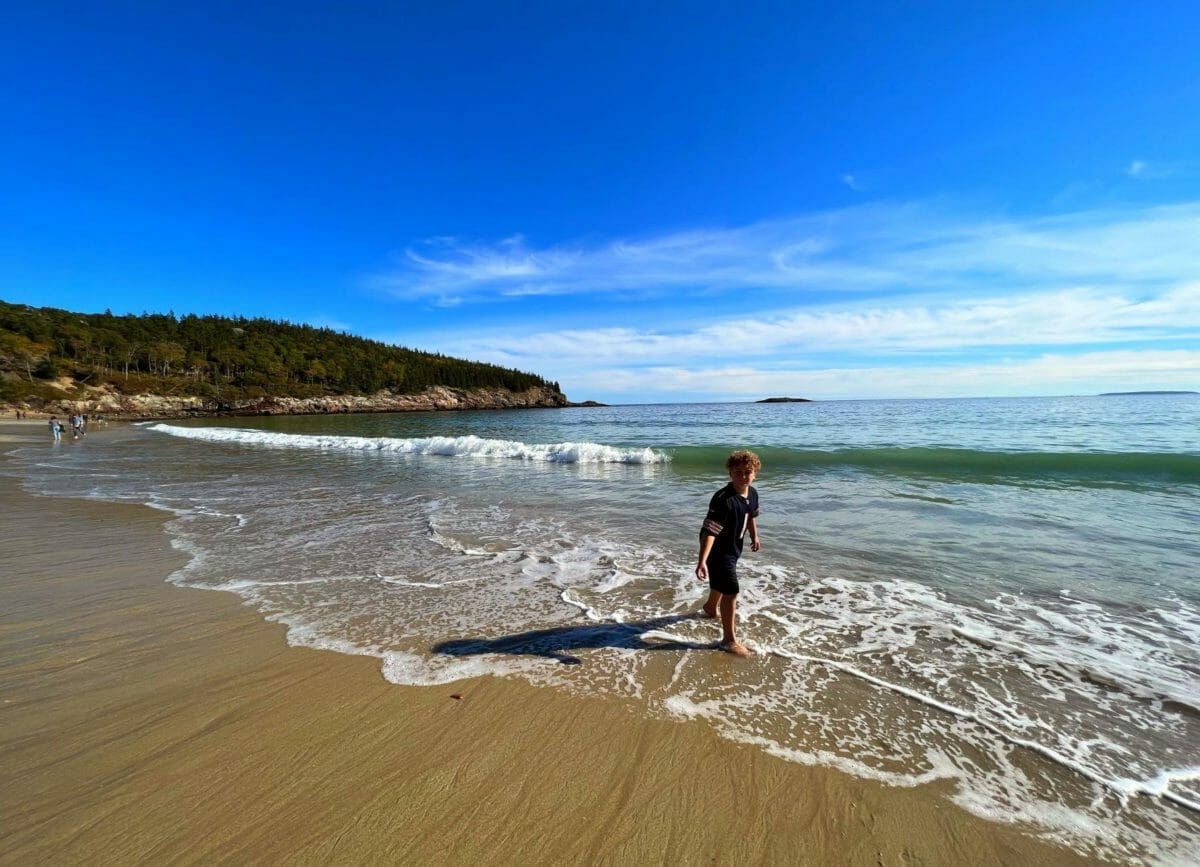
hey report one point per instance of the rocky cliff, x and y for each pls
(115, 405)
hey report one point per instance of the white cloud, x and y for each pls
(874, 248)
(1063, 318)
(1033, 343)
(1051, 373)
(880, 300)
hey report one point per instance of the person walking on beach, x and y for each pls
(55, 428)
(731, 512)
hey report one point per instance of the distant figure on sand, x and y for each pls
(732, 511)
(55, 428)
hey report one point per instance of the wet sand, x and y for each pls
(143, 722)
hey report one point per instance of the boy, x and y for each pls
(732, 511)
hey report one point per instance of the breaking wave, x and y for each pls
(461, 446)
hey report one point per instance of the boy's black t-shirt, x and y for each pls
(727, 518)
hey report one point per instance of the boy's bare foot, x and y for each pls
(710, 613)
(736, 648)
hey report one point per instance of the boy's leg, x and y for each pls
(710, 607)
(728, 623)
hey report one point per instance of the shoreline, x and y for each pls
(42, 415)
(151, 407)
(145, 721)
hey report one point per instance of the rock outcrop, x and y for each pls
(150, 406)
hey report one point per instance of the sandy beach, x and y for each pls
(143, 722)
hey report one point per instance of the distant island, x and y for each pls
(1119, 393)
(159, 366)
(784, 400)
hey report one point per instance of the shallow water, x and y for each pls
(998, 594)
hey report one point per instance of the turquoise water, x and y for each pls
(999, 595)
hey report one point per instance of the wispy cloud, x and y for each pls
(1063, 318)
(1144, 171)
(868, 249)
(1154, 170)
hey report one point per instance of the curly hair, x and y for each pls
(743, 458)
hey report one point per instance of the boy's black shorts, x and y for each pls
(722, 576)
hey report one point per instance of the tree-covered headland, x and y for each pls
(44, 352)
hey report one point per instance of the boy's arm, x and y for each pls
(706, 543)
(752, 526)
(714, 524)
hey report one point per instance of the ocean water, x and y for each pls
(999, 598)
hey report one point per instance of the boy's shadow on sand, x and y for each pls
(554, 643)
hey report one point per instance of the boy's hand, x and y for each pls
(702, 572)
(755, 545)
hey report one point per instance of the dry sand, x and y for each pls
(143, 722)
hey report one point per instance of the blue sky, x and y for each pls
(643, 201)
